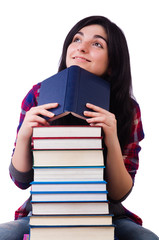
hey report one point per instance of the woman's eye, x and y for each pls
(96, 44)
(76, 39)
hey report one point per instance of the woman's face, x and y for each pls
(89, 50)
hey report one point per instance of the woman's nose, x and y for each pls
(83, 47)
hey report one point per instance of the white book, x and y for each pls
(67, 131)
(69, 196)
(67, 143)
(58, 220)
(66, 208)
(68, 174)
(72, 233)
(69, 186)
(91, 157)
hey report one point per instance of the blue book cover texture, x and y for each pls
(72, 88)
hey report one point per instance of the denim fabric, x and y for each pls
(126, 229)
(14, 230)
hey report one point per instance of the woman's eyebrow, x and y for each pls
(99, 36)
(95, 36)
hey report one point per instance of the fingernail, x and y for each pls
(88, 120)
(52, 114)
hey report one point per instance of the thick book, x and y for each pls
(64, 196)
(66, 131)
(67, 208)
(67, 143)
(68, 186)
(57, 220)
(102, 232)
(48, 174)
(72, 88)
(74, 157)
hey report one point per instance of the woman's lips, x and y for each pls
(83, 59)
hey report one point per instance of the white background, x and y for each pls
(31, 38)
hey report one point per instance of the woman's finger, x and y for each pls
(43, 110)
(96, 108)
(49, 105)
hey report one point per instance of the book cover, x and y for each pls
(72, 88)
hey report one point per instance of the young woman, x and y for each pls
(99, 46)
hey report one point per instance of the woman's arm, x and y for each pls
(119, 180)
(22, 157)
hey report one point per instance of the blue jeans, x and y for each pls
(125, 230)
(14, 230)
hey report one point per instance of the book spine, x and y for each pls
(71, 96)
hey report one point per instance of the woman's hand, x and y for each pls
(33, 119)
(118, 178)
(106, 120)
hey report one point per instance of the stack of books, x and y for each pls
(69, 196)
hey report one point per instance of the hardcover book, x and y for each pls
(48, 174)
(68, 143)
(102, 232)
(67, 131)
(72, 157)
(68, 186)
(65, 220)
(72, 88)
(67, 208)
(63, 196)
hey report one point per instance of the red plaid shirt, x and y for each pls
(130, 154)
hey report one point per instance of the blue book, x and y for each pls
(64, 196)
(72, 88)
(69, 186)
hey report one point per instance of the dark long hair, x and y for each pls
(121, 103)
